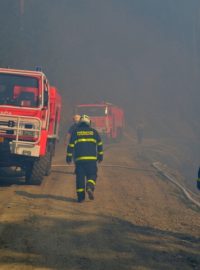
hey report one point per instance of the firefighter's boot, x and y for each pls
(90, 193)
(80, 196)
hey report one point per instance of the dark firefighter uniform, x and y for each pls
(198, 179)
(87, 149)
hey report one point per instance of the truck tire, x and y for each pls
(36, 172)
(48, 159)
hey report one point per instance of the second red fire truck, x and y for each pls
(106, 118)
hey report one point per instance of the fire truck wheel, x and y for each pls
(48, 159)
(36, 172)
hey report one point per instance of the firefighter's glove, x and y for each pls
(198, 183)
(100, 158)
(68, 159)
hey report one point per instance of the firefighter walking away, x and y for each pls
(86, 147)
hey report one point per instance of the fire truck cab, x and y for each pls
(29, 122)
(106, 118)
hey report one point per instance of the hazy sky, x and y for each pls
(142, 55)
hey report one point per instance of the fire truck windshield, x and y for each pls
(19, 90)
(92, 111)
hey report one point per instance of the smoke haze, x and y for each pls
(140, 54)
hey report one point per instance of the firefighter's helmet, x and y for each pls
(76, 118)
(85, 119)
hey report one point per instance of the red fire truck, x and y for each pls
(29, 122)
(106, 118)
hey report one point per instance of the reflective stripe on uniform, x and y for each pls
(100, 143)
(85, 133)
(91, 181)
(69, 154)
(71, 145)
(86, 158)
(85, 140)
(80, 190)
(100, 153)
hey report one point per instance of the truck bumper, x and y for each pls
(25, 149)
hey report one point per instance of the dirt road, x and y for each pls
(138, 220)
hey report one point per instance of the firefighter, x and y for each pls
(75, 119)
(87, 148)
(198, 179)
(140, 133)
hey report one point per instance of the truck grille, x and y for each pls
(4, 125)
(20, 128)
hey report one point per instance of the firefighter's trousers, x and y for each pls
(86, 176)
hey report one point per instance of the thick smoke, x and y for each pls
(140, 54)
